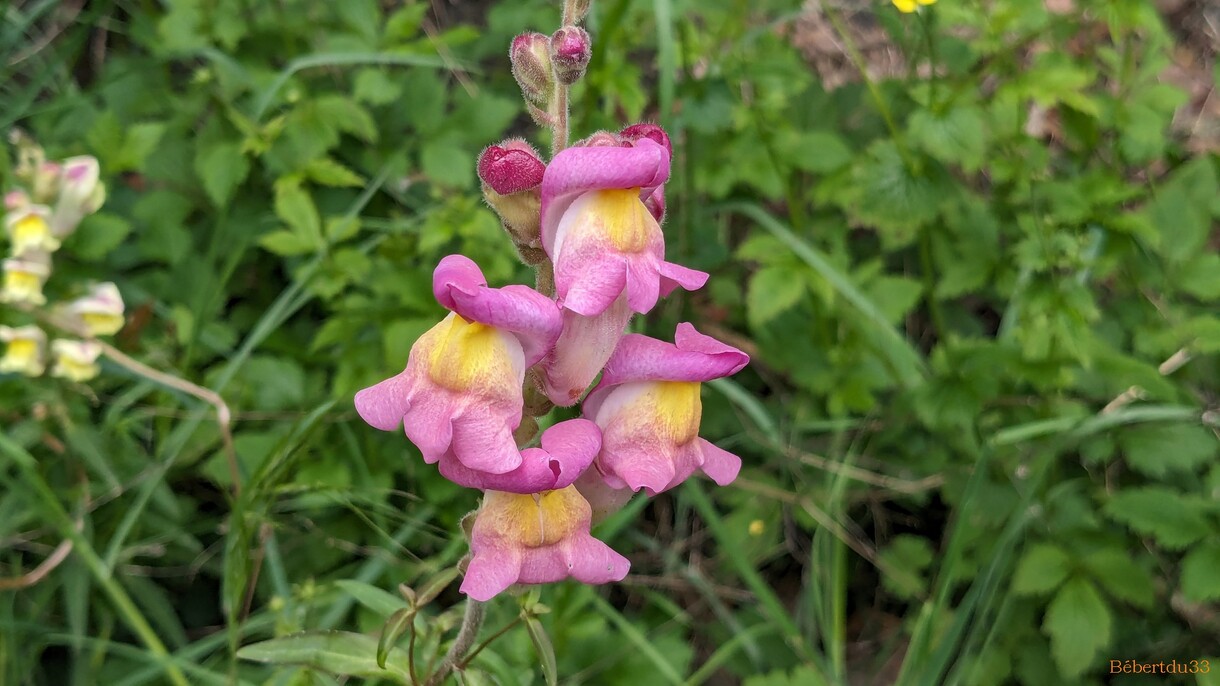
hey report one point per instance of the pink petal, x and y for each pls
(592, 284)
(581, 351)
(604, 500)
(578, 170)
(533, 318)
(567, 450)
(384, 405)
(429, 424)
(491, 571)
(696, 358)
(719, 464)
(637, 463)
(572, 446)
(483, 440)
(675, 275)
(593, 562)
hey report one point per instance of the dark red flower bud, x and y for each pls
(571, 49)
(651, 131)
(511, 167)
(531, 63)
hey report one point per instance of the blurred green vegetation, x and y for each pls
(980, 289)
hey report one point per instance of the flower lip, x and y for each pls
(578, 170)
(691, 357)
(534, 319)
(567, 449)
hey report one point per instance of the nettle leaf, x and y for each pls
(1078, 623)
(1180, 210)
(1158, 450)
(818, 152)
(894, 199)
(97, 235)
(1042, 569)
(446, 162)
(346, 115)
(221, 168)
(1201, 573)
(894, 295)
(295, 207)
(328, 172)
(1121, 577)
(1200, 276)
(1159, 512)
(374, 86)
(953, 137)
(771, 291)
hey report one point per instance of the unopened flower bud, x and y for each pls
(16, 200)
(80, 194)
(25, 352)
(100, 313)
(653, 132)
(76, 360)
(571, 49)
(575, 10)
(23, 279)
(512, 173)
(46, 182)
(600, 139)
(531, 63)
(28, 229)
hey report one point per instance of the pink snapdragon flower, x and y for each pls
(567, 449)
(648, 407)
(600, 208)
(536, 539)
(460, 393)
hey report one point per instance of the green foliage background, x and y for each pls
(965, 462)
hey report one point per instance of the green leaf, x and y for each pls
(818, 152)
(328, 172)
(221, 168)
(544, 648)
(902, 564)
(287, 243)
(953, 137)
(1042, 569)
(1078, 623)
(1121, 577)
(379, 601)
(1201, 573)
(894, 295)
(97, 235)
(375, 87)
(337, 652)
(772, 290)
(296, 208)
(446, 162)
(893, 199)
(1159, 449)
(1159, 512)
(398, 624)
(431, 588)
(348, 116)
(1200, 276)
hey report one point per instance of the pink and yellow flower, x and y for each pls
(24, 278)
(25, 352)
(75, 360)
(567, 449)
(460, 393)
(649, 409)
(536, 539)
(29, 229)
(100, 313)
(600, 208)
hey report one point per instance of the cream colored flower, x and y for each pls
(23, 279)
(29, 229)
(75, 360)
(100, 313)
(26, 350)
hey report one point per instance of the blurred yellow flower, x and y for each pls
(76, 360)
(908, 6)
(25, 351)
(23, 281)
(28, 230)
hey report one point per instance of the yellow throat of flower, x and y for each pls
(536, 520)
(32, 232)
(74, 370)
(627, 223)
(22, 356)
(22, 287)
(467, 354)
(102, 324)
(677, 408)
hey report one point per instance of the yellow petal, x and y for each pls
(668, 410)
(536, 520)
(906, 6)
(22, 287)
(23, 356)
(464, 356)
(619, 215)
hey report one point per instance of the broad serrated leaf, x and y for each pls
(771, 291)
(894, 199)
(1160, 449)
(813, 151)
(1042, 569)
(296, 208)
(954, 137)
(328, 172)
(1159, 512)
(1121, 577)
(337, 652)
(346, 115)
(97, 235)
(1078, 623)
(221, 168)
(446, 162)
(1201, 573)
(544, 648)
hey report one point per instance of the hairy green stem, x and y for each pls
(472, 621)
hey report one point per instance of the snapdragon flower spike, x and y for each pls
(536, 539)
(100, 312)
(461, 390)
(567, 449)
(648, 407)
(25, 352)
(75, 360)
(608, 253)
(29, 229)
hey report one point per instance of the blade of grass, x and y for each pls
(726, 651)
(638, 639)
